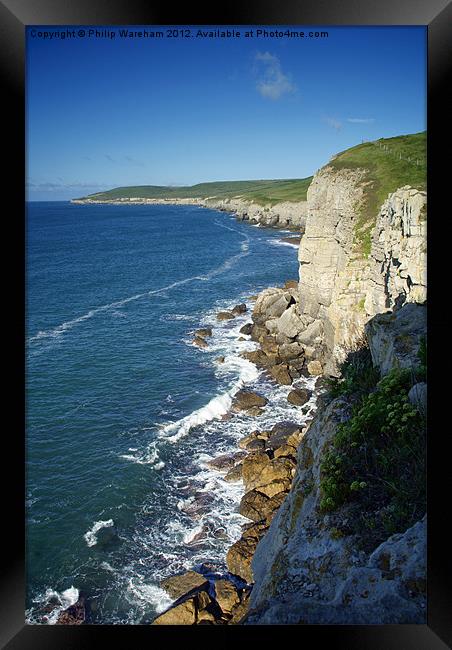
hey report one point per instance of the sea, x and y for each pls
(123, 412)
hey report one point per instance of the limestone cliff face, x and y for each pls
(303, 572)
(287, 214)
(340, 287)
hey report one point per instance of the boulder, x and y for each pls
(226, 596)
(234, 474)
(271, 303)
(245, 400)
(258, 471)
(239, 556)
(252, 468)
(239, 309)
(281, 433)
(290, 351)
(285, 451)
(311, 332)
(253, 505)
(246, 329)
(258, 332)
(258, 357)
(289, 323)
(226, 461)
(299, 396)
(73, 615)
(199, 342)
(277, 487)
(177, 586)
(203, 332)
(315, 367)
(219, 359)
(225, 315)
(182, 614)
(280, 374)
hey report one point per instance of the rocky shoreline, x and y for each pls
(288, 215)
(265, 462)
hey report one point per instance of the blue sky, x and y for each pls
(104, 112)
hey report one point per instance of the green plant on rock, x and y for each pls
(377, 459)
(357, 374)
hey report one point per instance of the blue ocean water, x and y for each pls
(122, 411)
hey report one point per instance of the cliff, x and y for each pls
(283, 214)
(348, 544)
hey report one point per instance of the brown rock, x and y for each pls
(179, 585)
(315, 367)
(199, 342)
(225, 315)
(280, 434)
(246, 329)
(280, 373)
(235, 474)
(239, 309)
(226, 461)
(269, 345)
(276, 487)
(285, 451)
(253, 505)
(219, 359)
(182, 614)
(239, 556)
(245, 400)
(258, 332)
(73, 615)
(299, 396)
(226, 595)
(203, 332)
(239, 613)
(259, 471)
(258, 357)
(256, 529)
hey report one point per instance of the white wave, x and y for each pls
(214, 410)
(149, 593)
(64, 327)
(148, 456)
(91, 535)
(278, 242)
(190, 536)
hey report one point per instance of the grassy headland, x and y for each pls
(390, 163)
(262, 192)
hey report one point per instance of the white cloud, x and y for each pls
(361, 120)
(272, 82)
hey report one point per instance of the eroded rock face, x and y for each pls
(305, 574)
(394, 337)
(341, 288)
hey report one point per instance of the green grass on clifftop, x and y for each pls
(390, 163)
(263, 192)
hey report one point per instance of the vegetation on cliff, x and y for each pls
(262, 192)
(376, 461)
(390, 163)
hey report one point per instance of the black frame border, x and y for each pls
(436, 15)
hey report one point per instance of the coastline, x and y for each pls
(286, 215)
(77, 610)
(263, 463)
